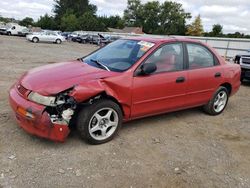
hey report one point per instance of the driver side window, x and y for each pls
(168, 58)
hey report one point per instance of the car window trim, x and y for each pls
(215, 59)
(160, 46)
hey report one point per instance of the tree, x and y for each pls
(27, 22)
(172, 18)
(69, 22)
(166, 18)
(112, 21)
(76, 7)
(89, 22)
(217, 30)
(46, 22)
(196, 28)
(132, 15)
(150, 15)
(2, 19)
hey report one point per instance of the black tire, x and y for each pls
(85, 115)
(9, 33)
(58, 41)
(209, 107)
(35, 39)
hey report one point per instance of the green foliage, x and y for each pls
(196, 28)
(132, 15)
(46, 22)
(89, 22)
(3, 19)
(172, 18)
(69, 22)
(27, 22)
(217, 30)
(112, 21)
(150, 13)
(80, 15)
(76, 7)
(166, 18)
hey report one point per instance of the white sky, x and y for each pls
(231, 14)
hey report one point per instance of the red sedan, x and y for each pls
(127, 79)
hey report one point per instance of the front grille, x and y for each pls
(22, 90)
(246, 60)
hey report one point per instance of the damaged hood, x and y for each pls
(54, 78)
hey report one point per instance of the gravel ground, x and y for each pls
(181, 149)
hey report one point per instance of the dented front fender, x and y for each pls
(118, 87)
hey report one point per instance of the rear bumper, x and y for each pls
(40, 125)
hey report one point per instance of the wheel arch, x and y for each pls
(103, 95)
(228, 86)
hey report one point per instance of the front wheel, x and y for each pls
(218, 102)
(99, 122)
(58, 41)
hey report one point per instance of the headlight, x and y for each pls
(44, 100)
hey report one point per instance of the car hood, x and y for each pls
(54, 78)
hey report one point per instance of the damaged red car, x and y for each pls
(127, 79)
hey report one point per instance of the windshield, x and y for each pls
(118, 56)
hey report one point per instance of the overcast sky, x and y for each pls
(232, 14)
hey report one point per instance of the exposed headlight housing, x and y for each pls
(40, 99)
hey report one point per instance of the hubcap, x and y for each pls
(103, 123)
(220, 101)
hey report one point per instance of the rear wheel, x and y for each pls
(35, 40)
(99, 122)
(218, 102)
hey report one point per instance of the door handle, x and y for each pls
(180, 80)
(217, 74)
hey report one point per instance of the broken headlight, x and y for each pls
(40, 99)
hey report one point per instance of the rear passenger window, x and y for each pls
(168, 58)
(199, 56)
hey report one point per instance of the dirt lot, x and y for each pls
(181, 149)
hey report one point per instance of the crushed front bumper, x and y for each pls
(34, 119)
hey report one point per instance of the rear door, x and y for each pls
(165, 89)
(204, 74)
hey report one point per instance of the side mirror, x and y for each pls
(148, 68)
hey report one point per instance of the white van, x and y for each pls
(14, 28)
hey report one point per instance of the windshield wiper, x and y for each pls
(100, 64)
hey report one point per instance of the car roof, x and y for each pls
(163, 40)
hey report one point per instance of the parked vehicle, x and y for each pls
(244, 61)
(66, 35)
(13, 29)
(81, 39)
(3, 31)
(113, 38)
(98, 39)
(47, 36)
(75, 34)
(24, 32)
(125, 80)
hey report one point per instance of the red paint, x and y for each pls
(139, 96)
